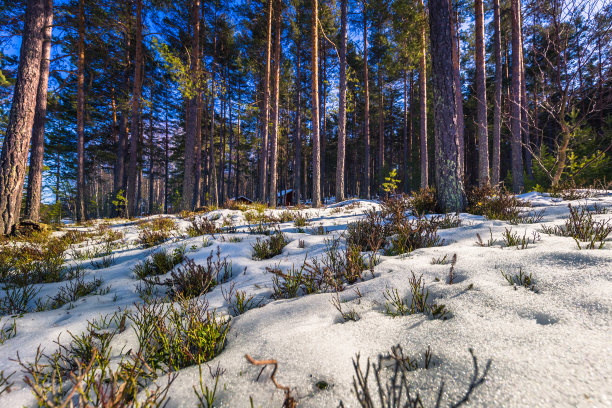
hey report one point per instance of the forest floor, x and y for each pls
(534, 304)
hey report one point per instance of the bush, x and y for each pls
(159, 263)
(581, 226)
(495, 204)
(269, 248)
(424, 201)
(368, 234)
(396, 306)
(185, 334)
(412, 234)
(202, 226)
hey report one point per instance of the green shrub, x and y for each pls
(270, 247)
(424, 201)
(159, 263)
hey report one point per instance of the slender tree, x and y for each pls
(449, 183)
(297, 141)
(14, 156)
(515, 114)
(263, 176)
(81, 212)
(497, 100)
(134, 125)
(275, 106)
(423, 105)
(366, 113)
(481, 97)
(32, 209)
(191, 126)
(316, 142)
(341, 105)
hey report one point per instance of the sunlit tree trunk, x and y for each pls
(32, 209)
(481, 97)
(497, 99)
(275, 107)
(137, 88)
(515, 119)
(449, 183)
(316, 142)
(81, 212)
(423, 106)
(14, 156)
(366, 114)
(341, 106)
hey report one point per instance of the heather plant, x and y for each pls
(160, 262)
(583, 227)
(270, 247)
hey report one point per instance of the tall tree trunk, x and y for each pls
(515, 120)
(81, 212)
(458, 95)
(275, 107)
(297, 141)
(423, 106)
(381, 120)
(263, 177)
(497, 100)
(481, 97)
(341, 105)
(323, 134)
(166, 154)
(449, 183)
(316, 141)
(14, 156)
(137, 88)
(32, 209)
(366, 114)
(405, 134)
(191, 119)
(151, 161)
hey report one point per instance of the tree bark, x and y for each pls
(449, 183)
(32, 209)
(497, 99)
(458, 95)
(275, 107)
(263, 177)
(14, 156)
(423, 106)
(515, 120)
(134, 134)
(366, 114)
(297, 178)
(316, 141)
(191, 119)
(481, 97)
(81, 212)
(381, 120)
(341, 105)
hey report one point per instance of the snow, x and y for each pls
(550, 348)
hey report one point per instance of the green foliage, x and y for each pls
(120, 203)
(397, 306)
(270, 247)
(189, 83)
(391, 182)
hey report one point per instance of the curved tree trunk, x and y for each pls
(449, 183)
(341, 106)
(32, 209)
(481, 98)
(14, 156)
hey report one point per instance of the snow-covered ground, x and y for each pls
(549, 348)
